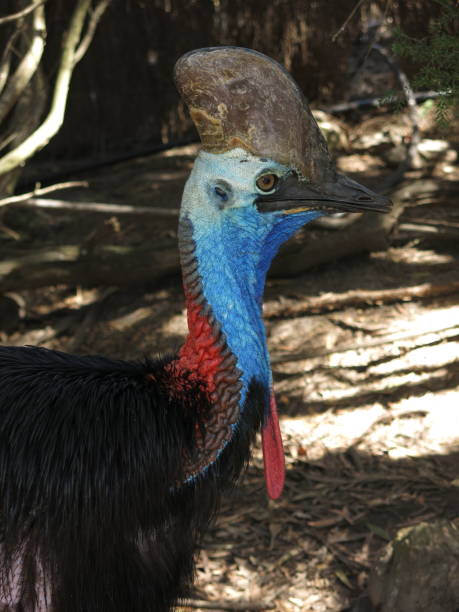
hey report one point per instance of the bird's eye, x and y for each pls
(267, 182)
(221, 193)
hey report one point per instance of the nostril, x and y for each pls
(365, 198)
(221, 193)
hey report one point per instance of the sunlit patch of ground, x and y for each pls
(372, 445)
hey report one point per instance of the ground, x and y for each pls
(367, 388)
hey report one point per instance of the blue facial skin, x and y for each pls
(235, 244)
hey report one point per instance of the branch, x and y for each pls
(28, 200)
(441, 332)
(412, 155)
(441, 231)
(110, 264)
(363, 103)
(23, 197)
(5, 62)
(22, 13)
(347, 20)
(86, 41)
(10, 135)
(226, 605)
(117, 209)
(28, 66)
(55, 118)
(358, 298)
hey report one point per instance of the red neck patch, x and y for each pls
(201, 355)
(206, 358)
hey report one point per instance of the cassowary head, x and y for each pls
(264, 161)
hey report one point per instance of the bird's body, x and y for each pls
(110, 471)
(96, 496)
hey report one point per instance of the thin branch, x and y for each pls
(344, 107)
(358, 298)
(27, 113)
(412, 155)
(20, 14)
(347, 20)
(8, 231)
(23, 197)
(8, 139)
(5, 63)
(55, 118)
(29, 199)
(374, 38)
(27, 67)
(91, 29)
(105, 264)
(226, 605)
(440, 231)
(389, 339)
(98, 207)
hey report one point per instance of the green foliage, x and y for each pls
(437, 56)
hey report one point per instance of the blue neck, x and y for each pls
(233, 259)
(233, 287)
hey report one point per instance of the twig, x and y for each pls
(22, 13)
(8, 139)
(55, 117)
(440, 225)
(347, 20)
(28, 66)
(5, 62)
(91, 30)
(361, 345)
(109, 265)
(23, 197)
(344, 107)
(412, 155)
(8, 231)
(226, 605)
(375, 36)
(329, 303)
(333, 549)
(385, 419)
(411, 158)
(98, 207)
(441, 231)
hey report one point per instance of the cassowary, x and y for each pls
(110, 471)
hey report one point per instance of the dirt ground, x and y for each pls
(368, 392)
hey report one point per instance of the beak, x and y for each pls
(341, 195)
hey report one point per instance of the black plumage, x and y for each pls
(90, 471)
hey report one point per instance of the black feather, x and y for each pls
(92, 493)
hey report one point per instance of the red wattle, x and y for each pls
(273, 452)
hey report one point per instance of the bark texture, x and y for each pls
(419, 570)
